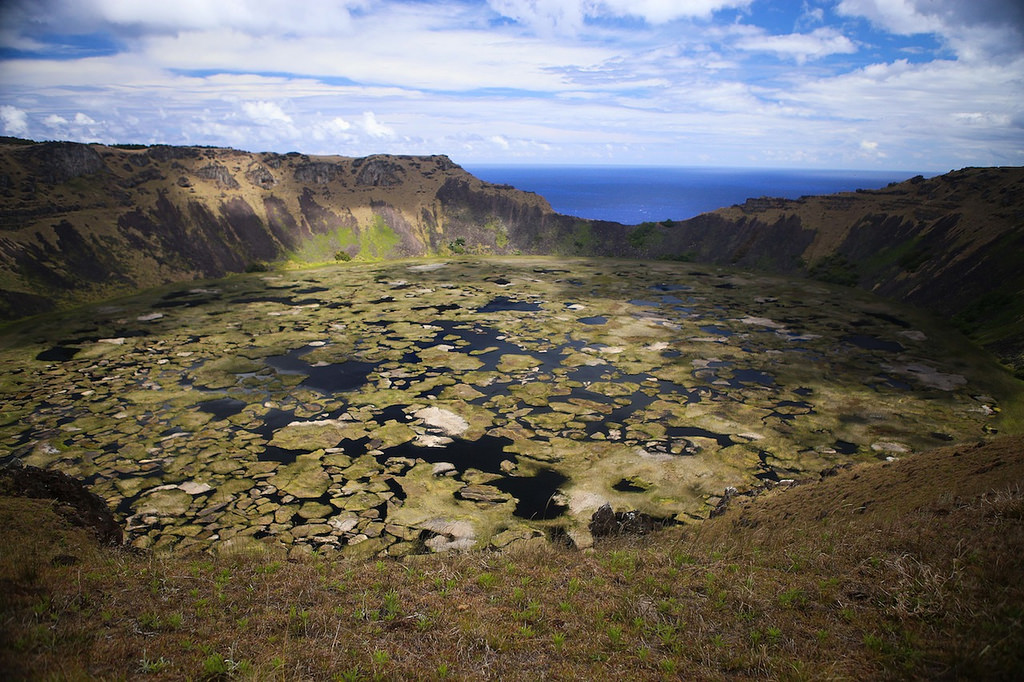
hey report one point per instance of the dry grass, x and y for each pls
(908, 570)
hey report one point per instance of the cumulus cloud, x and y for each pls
(15, 120)
(373, 127)
(567, 16)
(660, 11)
(819, 43)
(657, 81)
(870, 148)
(130, 17)
(266, 113)
(331, 129)
(975, 29)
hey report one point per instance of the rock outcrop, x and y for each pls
(73, 501)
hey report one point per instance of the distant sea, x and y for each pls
(634, 195)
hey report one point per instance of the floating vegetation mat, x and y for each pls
(432, 405)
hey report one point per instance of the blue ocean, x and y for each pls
(634, 195)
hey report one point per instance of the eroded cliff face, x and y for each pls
(80, 222)
(952, 244)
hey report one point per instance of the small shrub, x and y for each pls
(148, 667)
(392, 605)
(298, 621)
(215, 667)
(836, 269)
(351, 675)
(793, 598)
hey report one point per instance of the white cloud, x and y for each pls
(130, 17)
(265, 113)
(819, 43)
(811, 16)
(569, 16)
(870, 149)
(660, 11)
(373, 127)
(896, 16)
(977, 29)
(657, 81)
(83, 119)
(331, 130)
(15, 120)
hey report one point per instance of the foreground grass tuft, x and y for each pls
(904, 570)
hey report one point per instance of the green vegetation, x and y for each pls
(208, 391)
(644, 237)
(580, 241)
(918, 581)
(835, 268)
(457, 246)
(500, 231)
(908, 256)
(377, 240)
(322, 248)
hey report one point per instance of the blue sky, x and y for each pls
(926, 85)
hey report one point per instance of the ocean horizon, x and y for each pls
(633, 195)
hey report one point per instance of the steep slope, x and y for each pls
(908, 570)
(951, 244)
(79, 222)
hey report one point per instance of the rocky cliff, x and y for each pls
(82, 222)
(953, 244)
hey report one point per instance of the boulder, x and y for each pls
(76, 503)
(605, 522)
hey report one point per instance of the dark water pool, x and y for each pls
(221, 408)
(58, 354)
(500, 303)
(334, 378)
(534, 494)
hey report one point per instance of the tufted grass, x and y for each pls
(908, 570)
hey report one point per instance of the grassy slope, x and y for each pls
(904, 570)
